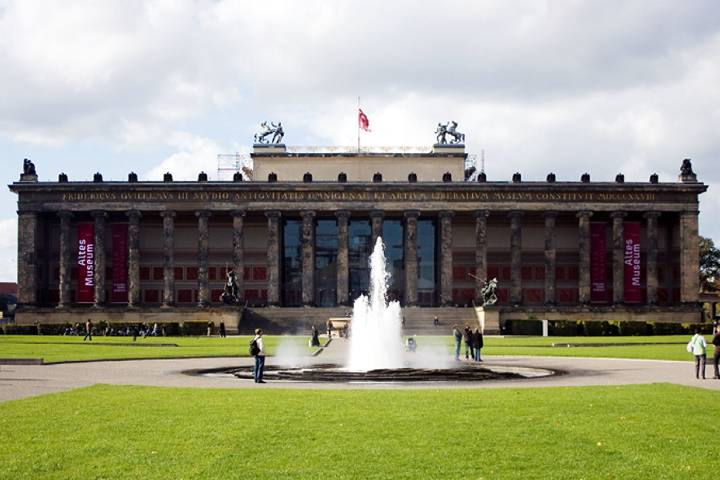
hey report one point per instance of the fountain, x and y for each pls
(376, 325)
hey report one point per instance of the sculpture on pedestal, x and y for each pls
(449, 128)
(488, 292)
(28, 167)
(266, 130)
(230, 295)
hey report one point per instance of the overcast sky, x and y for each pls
(564, 86)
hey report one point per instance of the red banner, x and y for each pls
(598, 262)
(632, 272)
(119, 292)
(86, 262)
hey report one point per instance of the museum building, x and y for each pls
(298, 229)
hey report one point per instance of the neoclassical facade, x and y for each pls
(299, 234)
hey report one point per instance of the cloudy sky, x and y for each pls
(564, 86)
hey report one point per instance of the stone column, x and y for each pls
(168, 217)
(99, 272)
(376, 221)
(651, 276)
(203, 238)
(584, 257)
(133, 258)
(446, 260)
(550, 257)
(343, 272)
(516, 257)
(238, 251)
(411, 257)
(618, 257)
(689, 257)
(481, 217)
(307, 254)
(27, 257)
(65, 259)
(273, 257)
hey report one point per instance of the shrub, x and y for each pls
(14, 329)
(634, 328)
(193, 328)
(523, 327)
(51, 328)
(564, 328)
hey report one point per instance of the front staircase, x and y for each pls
(299, 320)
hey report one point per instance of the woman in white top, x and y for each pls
(699, 349)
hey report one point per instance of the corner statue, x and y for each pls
(265, 131)
(488, 292)
(28, 167)
(230, 295)
(449, 128)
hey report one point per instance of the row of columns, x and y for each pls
(27, 255)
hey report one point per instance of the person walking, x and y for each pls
(716, 356)
(258, 350)
(88, 330)
(223, 333)
(477, 343)
(210, 328)
(467, 336)
(458, 338)
(699, 349)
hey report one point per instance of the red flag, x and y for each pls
(363, 121)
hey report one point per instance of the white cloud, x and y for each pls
(195, 154)
(8, 250)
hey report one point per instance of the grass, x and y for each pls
(629, 432)
(54, 348)
(542, 346)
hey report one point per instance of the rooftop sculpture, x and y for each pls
(449, 128)
(266, 131)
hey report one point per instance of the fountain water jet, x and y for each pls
(376, 341)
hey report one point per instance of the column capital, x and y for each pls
(584, 213)
(515, 214)
(133, 214)
(307, 214)
(168, 214)
(203, 213)
(32, 212)
(414, 214)
(98, 213)
(690, 213)
(550, 214)
(618, 214)
(653, 215)
(446, 214)
(238, 213)
(377, 214)
(343, 214)
(481, 214)
(65, 214)
(273, 213)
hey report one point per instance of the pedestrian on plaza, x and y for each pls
(329, 329)
(135, 332)
(457, 335)
(436, 322)
(716, 357)
(88, 330)
(210, 327)
(155, 332)
(257, 348)
(477, 343)
(467, 336)
(699, 349)
(314, 339)
(223, 333)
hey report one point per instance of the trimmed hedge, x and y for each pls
(194, 328)
(14, 329)
(568, 328)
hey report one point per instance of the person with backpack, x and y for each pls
(257, 350)
(698, 347)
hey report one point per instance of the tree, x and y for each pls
(709, 265)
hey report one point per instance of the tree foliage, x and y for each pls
(709, 265)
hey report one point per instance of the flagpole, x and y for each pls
(358, 126)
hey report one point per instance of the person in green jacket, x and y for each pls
(699, 349)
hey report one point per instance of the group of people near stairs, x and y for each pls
(473, 342)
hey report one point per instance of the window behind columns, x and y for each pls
(291, 287)
(427, 274)
(326, 248)
(359, 238)
(392, 235)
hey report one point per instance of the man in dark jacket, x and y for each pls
(467, 336)
(477, 338)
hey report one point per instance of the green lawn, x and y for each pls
(629, 432)
(542, 346)
(54, 348)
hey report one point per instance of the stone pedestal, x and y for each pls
(203, 239)
(168, 258)
(488, 319)
(273, 257)
(343, 273)
(269, 148)
(411, 257)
